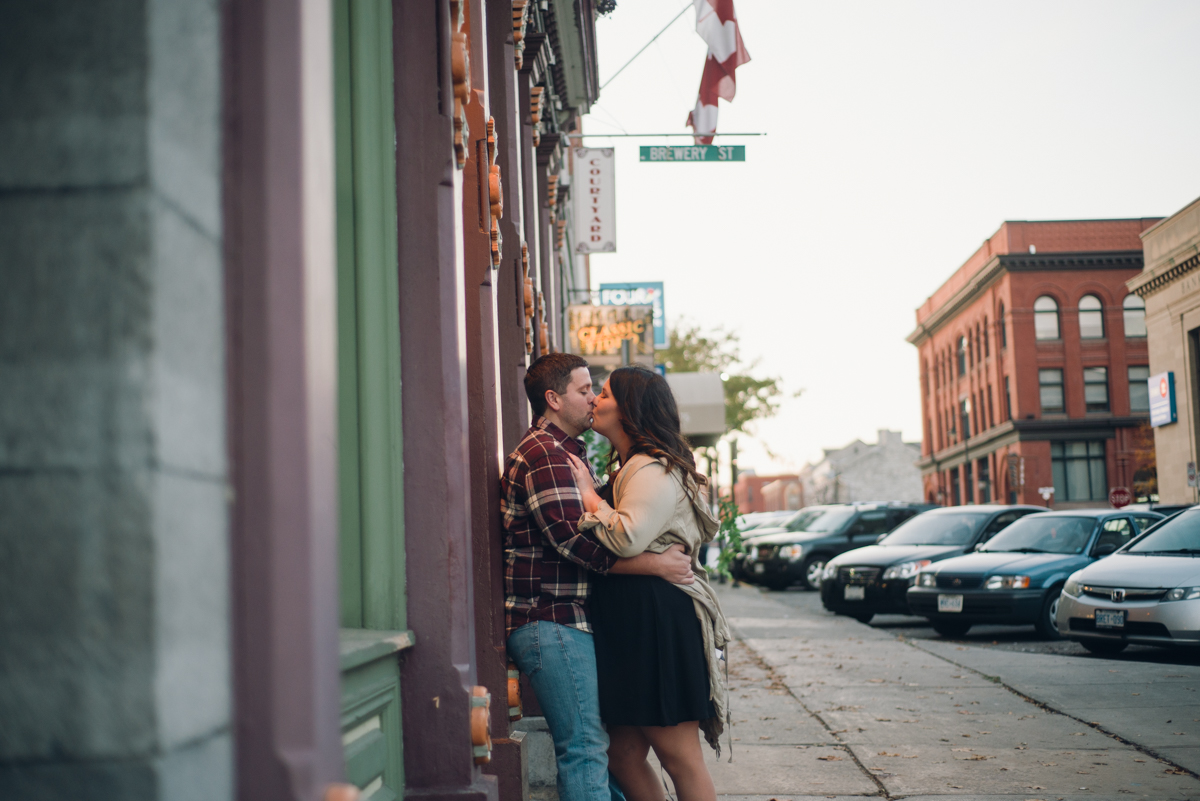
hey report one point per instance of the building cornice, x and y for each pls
(1021, 263)
(1152, 281)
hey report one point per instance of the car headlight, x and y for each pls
(829, 573)
(1072, 587)
(791, 551)
(905, 570)
(927, 580)
(1007, 583)
(1182, 594)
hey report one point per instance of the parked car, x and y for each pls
(1148, 592)
(752, 520)
(797, 551)
(874, 580)
(1017, 577)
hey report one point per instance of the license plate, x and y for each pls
(1110, 618)
(759, 567)
(950, 603)
(852, 593)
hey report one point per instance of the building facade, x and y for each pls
(883, 471)
(1033, 360)
(748, 490)
(1170, 286)
(275, 271)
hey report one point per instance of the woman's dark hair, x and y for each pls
(650, 418)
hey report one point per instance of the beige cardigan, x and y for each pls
(655, 510)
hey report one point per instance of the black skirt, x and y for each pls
(650, 656)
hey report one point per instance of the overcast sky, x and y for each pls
(900, 136)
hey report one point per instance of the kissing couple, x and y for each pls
(607, 606)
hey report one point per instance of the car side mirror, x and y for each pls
(976, 546)
(1106, 549)
(880, 537)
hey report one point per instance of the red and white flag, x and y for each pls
(717, 25)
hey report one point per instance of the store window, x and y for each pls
(1139, 391)
(985, 481)
(1095, 388)
(968, 484)
(1050, 384)
(1045, 318)
(1078, 469)
(1091, 318)
(1134, 309)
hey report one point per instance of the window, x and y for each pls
(1079, 471)
(987, 350)
(991, 408)
(1050, 384)
(964, 413)
(1134, 309)
(985, 483)
(1091, 318)
(1139, 391)
(1003, 329)
(955, 493)
(1095, 388)
(968, 484)
(1008, 410)
(1115, 533)
(1045, 318)
(962, 356)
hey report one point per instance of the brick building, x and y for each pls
(1033, 363)
(748, 491)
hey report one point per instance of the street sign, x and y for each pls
(1119, 497)
(1046, 493)
(639, 294)
(595, 200)
(693, 153)
(1162, 398)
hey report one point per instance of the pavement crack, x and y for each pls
(775, 683)
(1180, 770)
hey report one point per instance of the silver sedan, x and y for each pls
(1148, 592)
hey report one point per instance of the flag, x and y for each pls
(717, 25)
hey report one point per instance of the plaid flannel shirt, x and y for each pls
(547, 560)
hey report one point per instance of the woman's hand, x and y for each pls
(585, 483)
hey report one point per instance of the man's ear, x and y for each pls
(553, 401)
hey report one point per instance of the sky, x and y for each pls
(900, 137)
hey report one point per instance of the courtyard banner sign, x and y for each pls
(594, 191)
(596, 333)
(639, 293)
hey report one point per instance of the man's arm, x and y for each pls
(673, 565)
(554, 502)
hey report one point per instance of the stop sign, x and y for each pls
(1119, 496)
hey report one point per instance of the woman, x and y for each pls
(656, 643)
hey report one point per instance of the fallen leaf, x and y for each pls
(764, 737)
(830, 758)
(885, 753)
(962, 749)
(977, 758)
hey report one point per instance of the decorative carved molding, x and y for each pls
(460, 73)
(520, 20)
(1167, 277)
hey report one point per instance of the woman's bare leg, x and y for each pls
(627, 752)
(678, 749)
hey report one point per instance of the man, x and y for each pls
(547, 578)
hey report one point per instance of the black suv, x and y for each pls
(873, 580)
(798, 549)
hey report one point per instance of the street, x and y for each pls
(826, 707)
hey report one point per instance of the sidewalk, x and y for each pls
(825, 707)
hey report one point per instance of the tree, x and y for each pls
(691, 350)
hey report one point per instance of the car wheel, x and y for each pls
(948, 628)
(864, 618)
(1045, 625)
(1104, 647)
(814, 566)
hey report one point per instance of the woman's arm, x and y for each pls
(646, 506)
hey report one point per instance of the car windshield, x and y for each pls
(821, 519)
(1180, 534)
(938, 529)
(1044, 534)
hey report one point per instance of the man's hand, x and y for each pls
(672, 565)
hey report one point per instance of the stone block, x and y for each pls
(539, 752)
(72, 86)
(191, 608)
(188, 340)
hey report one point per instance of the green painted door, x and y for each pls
(370, 440)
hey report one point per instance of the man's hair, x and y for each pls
(550, 372)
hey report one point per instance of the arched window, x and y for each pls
(987, 336)
(1045, 318)
(1091, 318)
(1135, 316)
(962, 356)
(1003, 330)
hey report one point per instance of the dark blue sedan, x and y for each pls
(1017, 577)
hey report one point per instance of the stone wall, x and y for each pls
(114, 642)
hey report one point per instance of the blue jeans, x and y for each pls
(560, 662)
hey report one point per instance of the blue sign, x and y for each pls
(645, 293)
(1162, 398)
